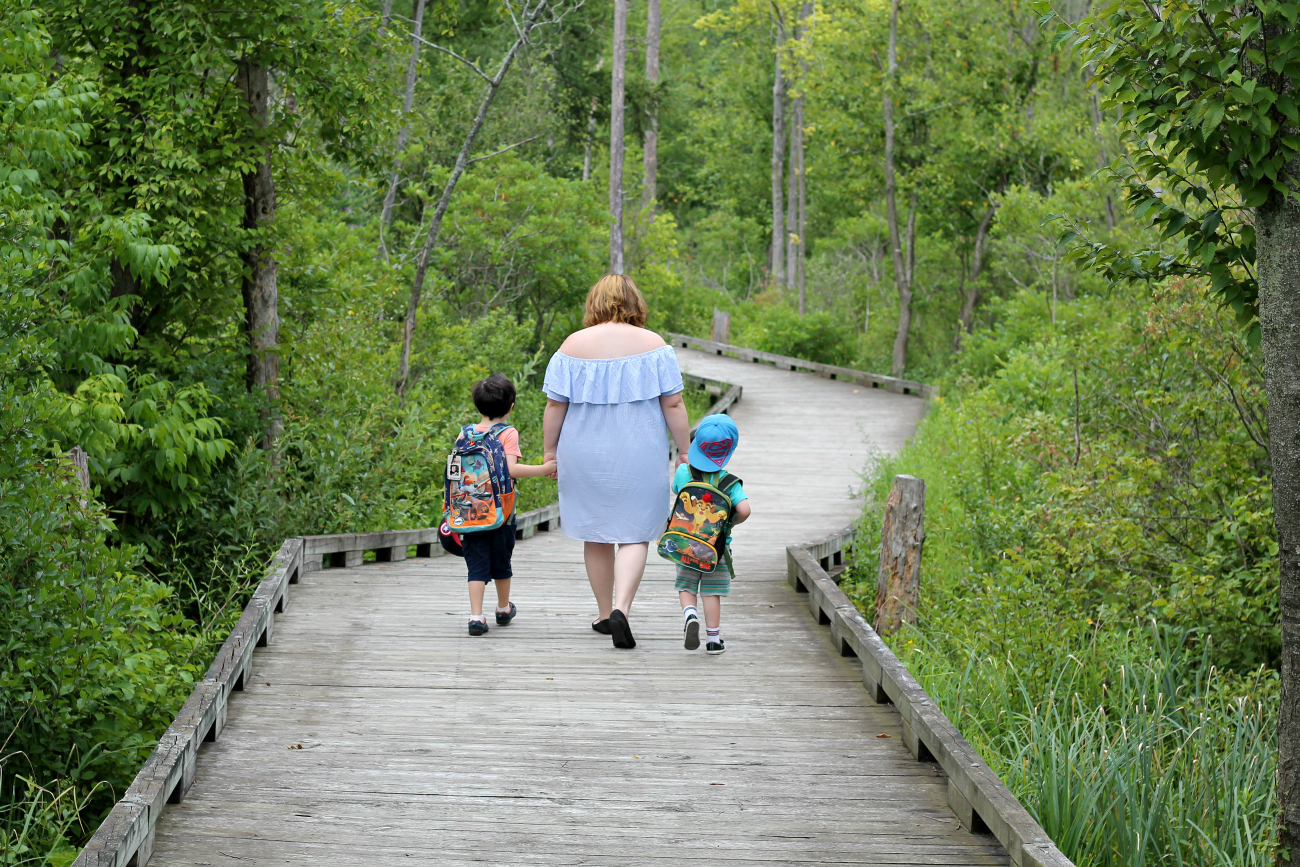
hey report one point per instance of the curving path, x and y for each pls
(539, 744)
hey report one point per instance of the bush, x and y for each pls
(777, 327)
(1100, 588)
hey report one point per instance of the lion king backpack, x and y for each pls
(478, 493)
(696, 535)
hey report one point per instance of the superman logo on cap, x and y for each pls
(717, 450)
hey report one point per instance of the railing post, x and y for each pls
(898, 583)
(721, 326)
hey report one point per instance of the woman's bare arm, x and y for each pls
(679, 422)
(552, 422)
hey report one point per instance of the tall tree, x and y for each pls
(616, 111)
(408, 101)
(533, 14)
(650, 160)
(904, 258)
(261, 301)
(778, 147)
(797, 193)
(591, 127)
(1208, 91)
(971, 294)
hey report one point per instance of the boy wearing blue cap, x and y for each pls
(711, 449)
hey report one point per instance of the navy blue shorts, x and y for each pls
(487, 554)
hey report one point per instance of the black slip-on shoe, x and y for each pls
(601, 626)
(692, 633)
(713, 648)
(478, 627)
(620, 631)
(504, 617)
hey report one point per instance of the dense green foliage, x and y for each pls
(1099, 592)
(1099, 488)
(1207, 90)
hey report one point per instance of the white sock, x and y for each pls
(505, 610)
(689, 611)
(714, 634)
(481, 618)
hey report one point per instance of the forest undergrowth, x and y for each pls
(1099, 591)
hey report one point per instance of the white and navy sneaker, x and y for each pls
(692, 632)
(713, 648)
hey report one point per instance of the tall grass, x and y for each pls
(38, 822)
(1139, 752)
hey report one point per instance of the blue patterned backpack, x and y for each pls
(478, 493)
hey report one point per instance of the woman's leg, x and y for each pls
(629, 564)
(599, 558)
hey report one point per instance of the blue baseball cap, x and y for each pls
(715, 440)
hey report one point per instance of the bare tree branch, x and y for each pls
(503, 150)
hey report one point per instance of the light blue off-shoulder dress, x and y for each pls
(613, 449)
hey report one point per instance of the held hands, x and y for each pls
(549, 466)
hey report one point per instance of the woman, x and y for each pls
(610, 390)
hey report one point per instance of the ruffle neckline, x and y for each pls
(644, 376)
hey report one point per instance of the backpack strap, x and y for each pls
(497, 428)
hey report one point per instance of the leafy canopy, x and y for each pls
(1206, 88)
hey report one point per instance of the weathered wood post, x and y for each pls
(721, 326)
(80, 465)
(898, 584)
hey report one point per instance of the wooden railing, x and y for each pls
(982, 802)
(830, 371)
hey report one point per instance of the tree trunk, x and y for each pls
(261, 313)
(792, 191)
(462, 162)
(385, 17)
(1277, 233)
(591, 130)
(902, 536)
(778, 158)
(972, 288)
(650, 162)
(386, 218)
(801, 224)
(616, 139)
(1103, 159)
(591, 141)
(905, 294)
(902, 273)
(796, 194)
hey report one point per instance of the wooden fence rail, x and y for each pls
(983, 804)
(830, 371)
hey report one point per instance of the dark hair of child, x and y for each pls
(494, 396)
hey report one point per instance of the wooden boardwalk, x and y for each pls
(541, 744)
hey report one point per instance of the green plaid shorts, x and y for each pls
(715, 583)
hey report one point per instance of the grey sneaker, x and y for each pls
(692, 632)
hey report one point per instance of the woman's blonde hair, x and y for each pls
(615, 298)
